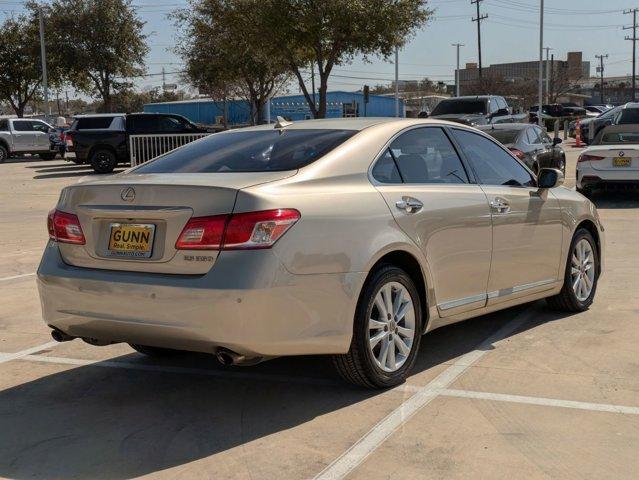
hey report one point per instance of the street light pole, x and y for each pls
(457, 71)
(541, 59)
(547, 97)
(397, 81)
(43, 54)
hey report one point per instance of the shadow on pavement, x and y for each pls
(616, 199)
(87, 422)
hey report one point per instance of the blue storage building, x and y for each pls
(293, 107)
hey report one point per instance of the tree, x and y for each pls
(222, 59)
(20, 66)
(327, 33)
(102, 45)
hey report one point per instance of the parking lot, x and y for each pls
(523, 393)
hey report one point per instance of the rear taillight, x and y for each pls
(202, 233)
(584, 157)
(238, 231)
(518, 153)
(64, 227)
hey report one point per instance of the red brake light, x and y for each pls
(258, 229)
(518, 153)
(239, 231)
(584, 157)
(202, 233)
(65, 228)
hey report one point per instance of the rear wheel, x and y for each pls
(103, 161)
(156, 352)
(580, 277)
(4, 153)
(386, 332)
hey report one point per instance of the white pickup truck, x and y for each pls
(22, 135)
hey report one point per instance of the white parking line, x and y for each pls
(366, 445)
(7, 357)
(4, 279)
(548, 402)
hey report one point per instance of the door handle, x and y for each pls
(499, 205)
(409, 204)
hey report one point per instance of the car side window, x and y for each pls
(169, 124)
(385, 169)
(22, 126)
(491, 163)
(545, 138)
(425, 155)
(40, 127)
(533, 136)
(143, 123)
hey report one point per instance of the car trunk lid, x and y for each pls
(132, 222)
(617, 158)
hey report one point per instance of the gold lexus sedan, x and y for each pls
(348, 237)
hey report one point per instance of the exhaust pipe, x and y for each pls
(228, 358)
(60, 336)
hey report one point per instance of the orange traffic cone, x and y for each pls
(578, 134)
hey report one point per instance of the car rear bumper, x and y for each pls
(248, 303)
(588, 177)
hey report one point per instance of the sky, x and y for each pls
(509, 34)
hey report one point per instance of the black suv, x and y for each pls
(103, 140)
(475, 110)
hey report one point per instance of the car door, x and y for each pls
(42, 139)
(23, 136)
(527, 232)
(435, 201)
(543, 149)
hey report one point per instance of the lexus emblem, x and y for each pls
(128, 194)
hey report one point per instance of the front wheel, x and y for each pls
(103, 161)
(4, 153)
(386, 332)
(581, 275)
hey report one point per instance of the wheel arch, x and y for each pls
(590, 226)
(412, 266)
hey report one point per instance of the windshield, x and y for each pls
(504, 136)
(249, 151)
(616, 138)
(447, 107)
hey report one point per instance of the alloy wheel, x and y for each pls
(391, 326)
(582, 269)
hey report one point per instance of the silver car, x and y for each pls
(348, 237)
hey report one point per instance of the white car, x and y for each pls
(612, 159)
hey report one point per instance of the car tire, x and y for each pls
(580, 276)
(47, 156)
(156, 352)
(4, 153)
(365, 363)
(103, 161)
(562, 165)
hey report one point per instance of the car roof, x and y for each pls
(355, 123)
(631, 105)
(471, 97)
(93, 115)
(504, 126)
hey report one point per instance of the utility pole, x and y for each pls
(634, 48)
(43, 54)
(541, 59)
(548, 49)
(478, 20)
(397, 81)
(457, 71)
(601, 70)
(163, 80)
(552, 77)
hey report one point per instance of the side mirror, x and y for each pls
(550, 178)
(556, 141)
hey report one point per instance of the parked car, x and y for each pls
(530, 144)
(623, 114)
(24, 135)
(555, 110)
(475, 110)
(348, 237)
(103, 140)
(573, 110)
(612, 159)
(594, 111)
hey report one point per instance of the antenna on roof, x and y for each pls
(282, 123)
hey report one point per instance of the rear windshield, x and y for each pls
(447, 107)
(616, 138)
(250, 151)
(92, 123)
(504, 136)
